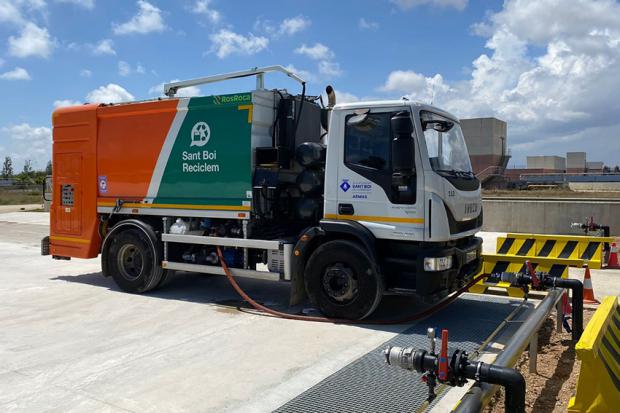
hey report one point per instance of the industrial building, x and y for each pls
(547, 163)
(576, 162)
(487, 143)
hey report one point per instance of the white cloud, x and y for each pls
(32, 41)
(204, 8)
(147, 20)
(24, 141)
(304, 74)
(87, 4)
(293, 25)
(410, 4)
(345, 97)
(13, 11)
(329, 69)
(66, 102)
(26, 132)
(286, 27)
(10, 12)
(105, 46)
(16, 74)
(561, 94)
(367, 24)
(186, 92)
(322, 53)
(317, 52)
(125, 69)
(415, 85)
(86, 73)
(227, 42)
(112, 93)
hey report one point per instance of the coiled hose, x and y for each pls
(415, 317)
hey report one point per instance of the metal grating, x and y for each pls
(369, 385)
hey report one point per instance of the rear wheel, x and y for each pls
(132, 260)
(342, 281)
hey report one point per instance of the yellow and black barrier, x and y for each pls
(598, 387)
(493, 264)
(589, 249)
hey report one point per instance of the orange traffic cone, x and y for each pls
(588, 292)
(566, 308)
(613, 263)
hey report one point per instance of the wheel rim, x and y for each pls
(340, 283)
(130, 262)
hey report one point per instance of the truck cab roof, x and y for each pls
(395, 102)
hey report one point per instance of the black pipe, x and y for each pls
(460, 369)
(576, 287)
(478, 396)
(512, 381)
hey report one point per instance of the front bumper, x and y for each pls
(408, 275)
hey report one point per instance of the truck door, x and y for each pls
(67, 190)
(366, 190)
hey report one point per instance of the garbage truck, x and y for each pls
(346, 202)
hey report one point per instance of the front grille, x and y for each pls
(457, 227)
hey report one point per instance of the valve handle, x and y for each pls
(443, 356)
(532, 273)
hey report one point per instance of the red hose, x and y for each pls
(407, 319)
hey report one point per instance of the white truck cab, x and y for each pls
(400, 170)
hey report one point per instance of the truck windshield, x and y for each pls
(445, 143)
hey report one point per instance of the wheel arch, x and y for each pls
(311, 238)
(123, 225)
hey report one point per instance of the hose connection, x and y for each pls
(454, 370)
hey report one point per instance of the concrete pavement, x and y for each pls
(72, 342)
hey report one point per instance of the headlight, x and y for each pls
(437, 263)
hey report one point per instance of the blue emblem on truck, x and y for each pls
(345, 185)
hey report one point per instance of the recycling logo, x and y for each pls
(201, 132)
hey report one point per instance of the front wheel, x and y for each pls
(342, 281)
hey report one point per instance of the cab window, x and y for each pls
(367, 142)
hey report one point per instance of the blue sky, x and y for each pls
(546, 67)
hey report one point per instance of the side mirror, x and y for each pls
(402, 143)
(47, 188)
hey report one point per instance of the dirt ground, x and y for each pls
(555, 382)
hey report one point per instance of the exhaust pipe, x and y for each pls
(331, 97)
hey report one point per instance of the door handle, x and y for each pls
(345, 209)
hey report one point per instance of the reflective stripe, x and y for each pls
(70, 239)
(166, 148)
(179, 206)
(375, 218)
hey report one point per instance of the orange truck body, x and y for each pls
(153, 158)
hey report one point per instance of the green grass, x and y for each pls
(20, 197)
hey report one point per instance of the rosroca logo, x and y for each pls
(201, 132)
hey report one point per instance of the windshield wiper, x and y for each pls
(454, 172)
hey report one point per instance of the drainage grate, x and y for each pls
(369, 385)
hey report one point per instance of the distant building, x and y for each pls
(595, 166)
(487, 145)
(547, 163)
(575, 162)
(7, 181)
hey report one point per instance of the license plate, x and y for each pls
(471, 255)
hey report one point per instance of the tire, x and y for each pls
(342, 282)
(132, 258)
